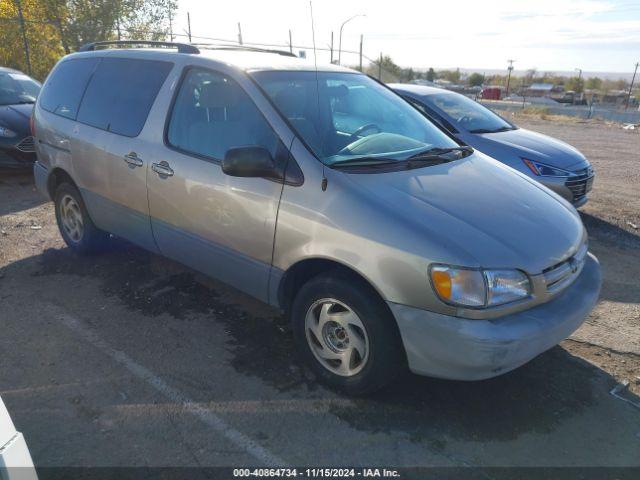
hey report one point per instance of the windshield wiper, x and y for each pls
(436, 156)
(486, 130)
(365, 162)
(432, 156)
(438, 153)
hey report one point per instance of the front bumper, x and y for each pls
(15, 460)
(17, 152)
(456, 348)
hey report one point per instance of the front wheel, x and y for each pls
(347, 334)
(75, 224)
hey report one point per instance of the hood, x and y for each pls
(16, 117)
(532, 145)
(481, 212)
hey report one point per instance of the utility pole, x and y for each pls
(24, 36)
(239, 34)
(510, 68)
(360, 52)
(579, 86)
(290, 43)
(633, 79)
(189, 26)
(380, 68)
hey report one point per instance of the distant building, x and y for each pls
(612, 97)
(543, 90)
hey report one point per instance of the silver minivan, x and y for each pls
(319, 191)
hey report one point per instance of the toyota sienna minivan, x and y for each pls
(387, 243)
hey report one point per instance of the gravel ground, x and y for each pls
(127, 359)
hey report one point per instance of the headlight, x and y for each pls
(543, 170)
(467, 287)
(6, 133)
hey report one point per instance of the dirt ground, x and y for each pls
(128, 359)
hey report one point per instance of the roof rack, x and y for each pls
(182, 47)
(223, 46)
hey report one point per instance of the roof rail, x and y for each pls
(182, 47)
(223, 46)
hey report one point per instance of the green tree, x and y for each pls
(452, 76)
(95, 20)
(475, 79)
(56, 27)
(431, 74)
(391, 72)
(43, 37)
(574, 83)
(593, 83)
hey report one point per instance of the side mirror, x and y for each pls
(249, 162)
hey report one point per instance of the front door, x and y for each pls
(220, 225)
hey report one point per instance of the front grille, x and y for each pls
(27, 145)
(564, 273)
(580, 184)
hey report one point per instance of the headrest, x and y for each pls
(219, 95)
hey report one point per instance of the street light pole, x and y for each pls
(340, 37)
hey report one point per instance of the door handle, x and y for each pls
(163, 169)
(132, 159)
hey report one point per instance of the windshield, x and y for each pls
(352, 117)
(467, 114)
(17, 88)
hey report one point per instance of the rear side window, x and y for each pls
(63, 90)
(121, 93)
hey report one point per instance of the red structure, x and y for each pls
(491, 93)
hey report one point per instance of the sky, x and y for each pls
(549, 35)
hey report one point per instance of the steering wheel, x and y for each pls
(369, 126)
(465, 119)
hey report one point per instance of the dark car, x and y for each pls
(18, 93)
(553, 163)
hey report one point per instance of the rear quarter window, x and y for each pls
(121, 93)
(63, 89)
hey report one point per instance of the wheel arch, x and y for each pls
(58, 176)
(304, 270)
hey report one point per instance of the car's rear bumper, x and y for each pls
(456, 348)
(15, 460)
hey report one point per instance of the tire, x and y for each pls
(71, 211)
(337, 305)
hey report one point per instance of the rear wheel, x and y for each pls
(75, 224)
(347, 334)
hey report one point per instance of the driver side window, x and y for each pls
(212, 114)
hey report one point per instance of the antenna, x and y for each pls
(313, 38)
(315, 62)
